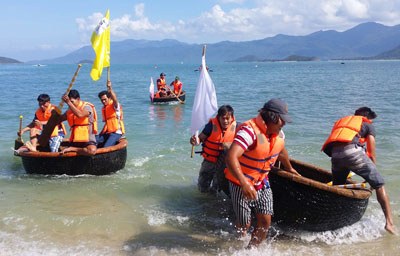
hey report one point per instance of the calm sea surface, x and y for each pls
(152, 206)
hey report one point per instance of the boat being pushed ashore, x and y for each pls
(105, 161)
(307, 202)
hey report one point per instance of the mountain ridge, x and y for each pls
(364, 40)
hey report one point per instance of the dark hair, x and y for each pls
(107, 93)
(74, 94)
(224, 109)
(365, 111)
(43, 98)
(269, 116)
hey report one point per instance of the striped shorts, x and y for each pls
(242, 208)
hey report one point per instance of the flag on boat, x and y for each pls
(101, 45)
(151, 89)
(205, 101)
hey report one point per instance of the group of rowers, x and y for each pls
(163, 91)
(82, 119)
(250, 150)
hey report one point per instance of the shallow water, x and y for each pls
(152, 206)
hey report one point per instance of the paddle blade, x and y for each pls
(18, 144)
(48, 128)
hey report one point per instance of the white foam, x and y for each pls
(140, 161)
(158, 218)
(369, 228)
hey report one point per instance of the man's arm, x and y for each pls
(233, 165)
(113, 96)
(79, 113)
(202, 137)
(284, 159)
(371, 147)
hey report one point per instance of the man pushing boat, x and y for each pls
(256, 147)
(216, 137)
(345, 147)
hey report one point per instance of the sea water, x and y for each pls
(152, 206)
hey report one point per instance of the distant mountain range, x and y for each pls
(252, 58)
(362, 41)
(4, 60)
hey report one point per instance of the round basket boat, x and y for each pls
(107, 160)
(169, 98)
(309, 203)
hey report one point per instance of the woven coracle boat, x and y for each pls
(309, 203)
(169, 98)
(107, 160)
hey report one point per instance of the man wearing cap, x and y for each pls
(177, 86)
(161, 86)
(256, 147)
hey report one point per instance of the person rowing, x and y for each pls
(177, 87)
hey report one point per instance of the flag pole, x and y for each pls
(204, 54)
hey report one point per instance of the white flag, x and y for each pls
(205, 101)
(151, 89)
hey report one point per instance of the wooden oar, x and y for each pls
(19, 142)
(55, 116)
(177, 98)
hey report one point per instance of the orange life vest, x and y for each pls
(177, 87)
(256, 163)
(345, 129)
(161, 84)
(45, 116)
(110, 118)
(212, 146)
(80, 126)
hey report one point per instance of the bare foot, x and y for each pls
(66, 150)
(391, 229)
(29, 145)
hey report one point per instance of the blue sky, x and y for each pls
(45, 29)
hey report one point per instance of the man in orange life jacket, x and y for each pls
(112, 116)
(345, 148)
(177, 90)
(42, 115)
(216, 135)
(256, 147)
(82, 119)
(161, 86)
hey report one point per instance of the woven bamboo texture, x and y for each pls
(106, 161)
(308, 203)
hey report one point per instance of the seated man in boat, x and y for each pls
(345, 147)
(82, 119)
(216, 137)
(255, 148)
(42, 115)
(161, 87)
(112, 116)
(177, 87)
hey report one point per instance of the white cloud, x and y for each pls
(266, 18)
(125, 27)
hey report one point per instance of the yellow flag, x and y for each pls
(101, 45)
